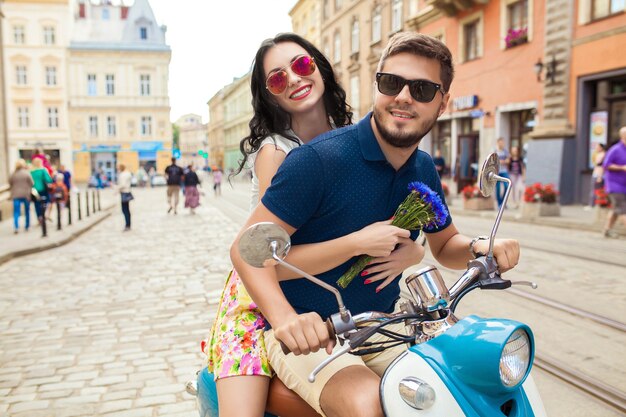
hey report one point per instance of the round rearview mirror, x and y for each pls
(489, 171)
(261, 241)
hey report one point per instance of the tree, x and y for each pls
(175, 136)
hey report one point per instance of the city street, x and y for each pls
(110, 324)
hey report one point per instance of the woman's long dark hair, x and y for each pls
(270, 118)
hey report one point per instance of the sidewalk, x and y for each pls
(572, 217)
(24, 243)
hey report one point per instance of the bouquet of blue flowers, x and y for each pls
(421, 209)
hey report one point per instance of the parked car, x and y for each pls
(158, 179)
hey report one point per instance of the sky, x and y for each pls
(212, 42)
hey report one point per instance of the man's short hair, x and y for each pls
(421, 45)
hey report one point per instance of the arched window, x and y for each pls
(376, 25)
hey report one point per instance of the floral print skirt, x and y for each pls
(236, 345)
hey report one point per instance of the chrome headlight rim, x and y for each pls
(516, 359)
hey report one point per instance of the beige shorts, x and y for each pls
(294, 370)
(173, 190)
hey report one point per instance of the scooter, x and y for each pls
(470, 366)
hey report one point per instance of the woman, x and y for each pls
(21, 184)
(124, 180)
(597, 176)
(295, 98)
(516, 172)
(192, 196)
(41, 179)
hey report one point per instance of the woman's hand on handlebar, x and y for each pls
(505, 251)
(385, 269)
(378, 239)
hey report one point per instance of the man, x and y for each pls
(615, 182)
(174, 176)
(505, 157)
(440, 163)
(339, 183)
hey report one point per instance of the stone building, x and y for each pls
(192, 140)
(236, 101)
(35, 39)
(306, 18)
(118, 64)
(215, 130)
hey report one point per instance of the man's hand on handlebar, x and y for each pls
(505, 251)
(304, 333)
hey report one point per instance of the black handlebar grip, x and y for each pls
(331, 335)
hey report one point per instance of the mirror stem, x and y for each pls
(499, 216)
(345, 315)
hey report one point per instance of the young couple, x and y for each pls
(334, 196)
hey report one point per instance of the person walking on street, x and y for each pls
(174, 175)
(41, 179)
(217, 182)
(21, 184)
(440, 163)
(192, 195)
(124, 180)
(615, 182)
(597, 176)
(504, 156)
(517, 170)
(58, 191)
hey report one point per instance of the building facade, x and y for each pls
(118, 65)
(306, 17)
(237, 104)
(4, 141)
(35, 38)
(215, 130)
(192, 141)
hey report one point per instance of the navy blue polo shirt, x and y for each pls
(335, 185)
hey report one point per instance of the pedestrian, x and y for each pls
(597, 175)
(142, 176)
(615, 182)
(21, 184)
(41, 179)
(124, 181)
(58, 192)
(284, 68)
(334, 185)
(440, 163)
(67, 177)
(38, 153)
(517, 171)
(217, 182)
(505, 157)
(192, 195)
(174, 176)
(151, 174)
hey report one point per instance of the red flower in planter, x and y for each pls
(538, 192)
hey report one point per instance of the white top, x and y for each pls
(123, 181)
(281, 143)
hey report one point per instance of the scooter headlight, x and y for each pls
(515, 358)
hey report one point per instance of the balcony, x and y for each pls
(453, 7)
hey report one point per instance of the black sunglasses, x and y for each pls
(421, 90)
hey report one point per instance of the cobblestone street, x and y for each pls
(110, 324)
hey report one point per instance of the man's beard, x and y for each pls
(401, 138)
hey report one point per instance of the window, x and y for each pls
(337, 47)
(470, 40)
(354, 46)
(517, 23)
(93, 126)
(21, 77)
(110, 84)
(49, 37)
(326, 48)
(603, 8)
(91, 85)
(143, 33)
(338, 4)
(53, 117)
(19, 35)
(22, 116)
(146, 125)
(326, 10)
(396, 15)
(144, 85)
(111, 127)
(376, 25)
(355, 97)
(51, 76)
(105, 14)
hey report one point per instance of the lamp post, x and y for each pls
(550, 69)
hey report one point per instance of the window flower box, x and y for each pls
(516, 37)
